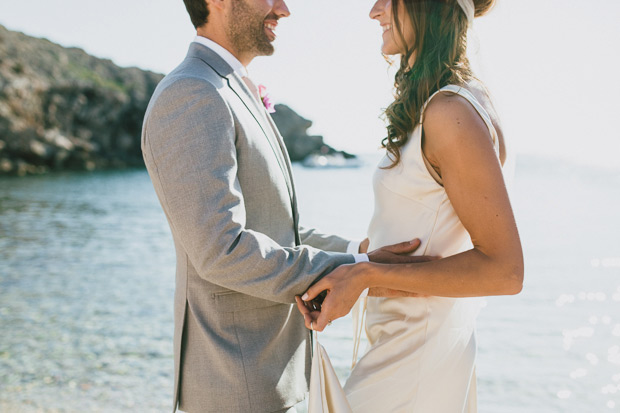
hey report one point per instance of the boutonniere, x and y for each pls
(264, 96)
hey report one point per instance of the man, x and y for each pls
(223, 177)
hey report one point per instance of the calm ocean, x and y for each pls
(87, 278)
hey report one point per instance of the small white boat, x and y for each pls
(336, 160)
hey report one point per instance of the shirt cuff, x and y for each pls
(360, 258)
(353, 247)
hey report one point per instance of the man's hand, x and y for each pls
(308, 311)
(399, 253)
(363, 249)
(394, 254)
(344, 285)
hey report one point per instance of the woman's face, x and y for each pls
(392, 42)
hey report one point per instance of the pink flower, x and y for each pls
(264, 96)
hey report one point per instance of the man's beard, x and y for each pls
(246, 30)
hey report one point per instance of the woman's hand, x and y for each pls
(334, 295)
(343, 286)
(311, 310)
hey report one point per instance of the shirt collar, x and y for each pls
(224, 54)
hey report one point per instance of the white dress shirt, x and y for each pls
(242, 71)
(224, 54)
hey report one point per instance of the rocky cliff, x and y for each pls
(294, 130)
(61, 108)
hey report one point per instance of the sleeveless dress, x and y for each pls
(422, 350)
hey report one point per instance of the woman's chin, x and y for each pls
(388, 50)
(389, 53)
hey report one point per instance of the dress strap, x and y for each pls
(466, 94)
(359, 320)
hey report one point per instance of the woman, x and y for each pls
(440, 180)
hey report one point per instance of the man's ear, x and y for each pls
(217, 4)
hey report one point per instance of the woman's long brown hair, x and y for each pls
(440, 50)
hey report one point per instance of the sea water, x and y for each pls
(87, 279)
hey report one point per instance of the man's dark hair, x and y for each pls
(198, 11)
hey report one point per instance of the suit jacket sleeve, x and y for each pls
(316, 239)
(189, 149)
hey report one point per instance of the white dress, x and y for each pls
(422, 351)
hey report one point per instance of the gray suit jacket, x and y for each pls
(223, 178)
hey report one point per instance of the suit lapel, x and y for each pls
(258, 112)
(282, 146)
(287, 161)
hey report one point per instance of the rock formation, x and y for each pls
(62, 109)
(294, 130)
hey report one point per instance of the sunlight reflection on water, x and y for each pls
(87, 279)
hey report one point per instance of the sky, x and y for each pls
(551, 65)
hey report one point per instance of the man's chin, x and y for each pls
(265, 50)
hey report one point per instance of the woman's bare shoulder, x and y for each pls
(484, 97)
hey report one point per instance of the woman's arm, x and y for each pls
(459, 145)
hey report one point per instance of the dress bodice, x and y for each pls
(409, 202)
(422, 349)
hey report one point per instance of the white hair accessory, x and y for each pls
(469, 8)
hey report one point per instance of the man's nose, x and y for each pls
(281, 9)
